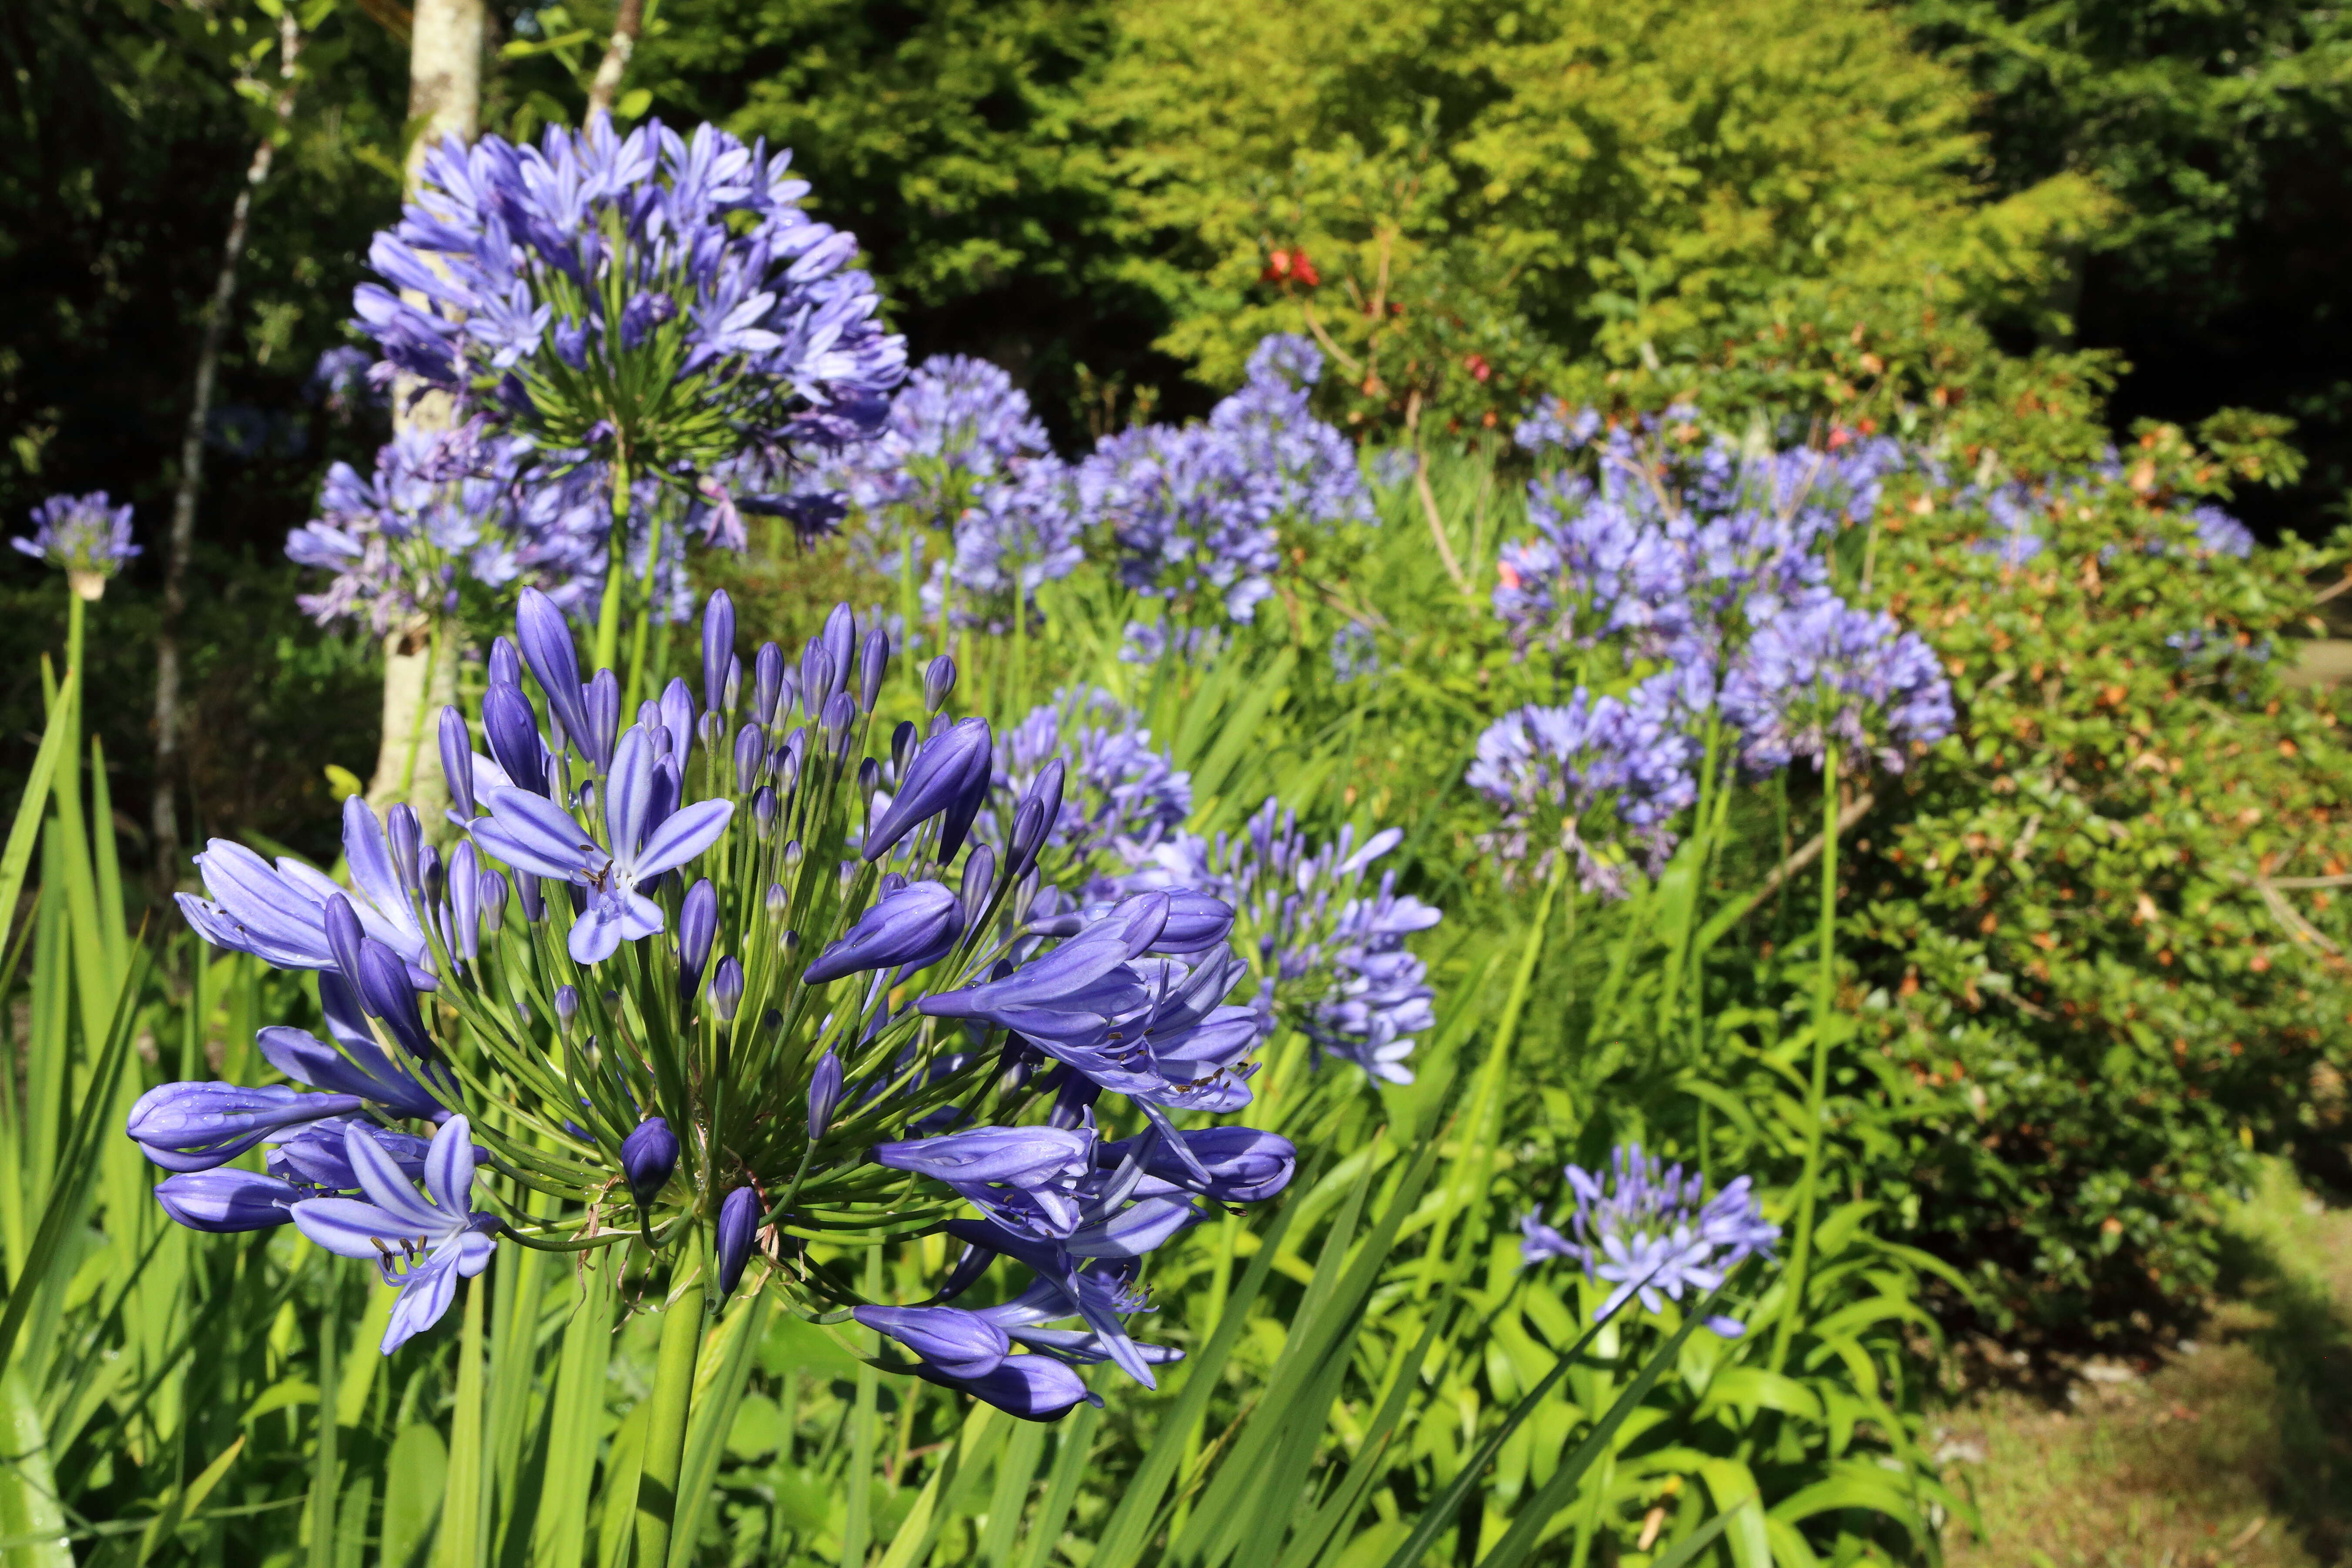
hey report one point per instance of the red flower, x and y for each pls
(1477, 366)
(1290, 266)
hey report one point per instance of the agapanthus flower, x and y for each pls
(1641, 1228)
(1607, 775)
(1822, 671)
(1198, 512)
(1020, 532)
(1327, 944)
(85, 537)
(656, 300)
(340, 382)
(1355, 654)
(746, 969)
(422, 1243)
(957, 423)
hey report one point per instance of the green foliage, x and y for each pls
(2105, 951)
(1490, 193)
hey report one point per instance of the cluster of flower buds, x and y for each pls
(735, 979)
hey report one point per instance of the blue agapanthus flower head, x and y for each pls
(1821, 671)
(85, 537)
(956, 417)
(657, 297)
(1120, 791)
(445, 514)
(1611, 773)
(1649, 1230)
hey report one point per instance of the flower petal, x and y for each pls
(629, 793)
(449, 1169)
(687, 833)
(350, 1228)
(381, 1180)
(424, 1295)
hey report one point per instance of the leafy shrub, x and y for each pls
(2103, 946)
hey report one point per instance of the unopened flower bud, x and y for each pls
(824, 1094)
(494, 901)
(767, 682)
(763, 811)
(873, 663)
(405, 837)
(739, 1224)
(600, 701)
(837, 724)
(751, 755)
(727, 988)
(534, 902)
(567, 1007)
(506, 665)
(649, 1155)
(902, 746)
(718, 648)
(734, 691)
(778, 900)
(938, 683)
(457, 762)
(697, 924)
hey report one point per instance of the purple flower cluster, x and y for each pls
(85, 537)
(455, 515)
(1608, 775)
(1328, 943)
(694, 1013)
(1712, 560)
(1821, 671)
(1198, 512)
(1641, 1228)
(657, 298)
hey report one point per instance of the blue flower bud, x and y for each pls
(601, 705)
(1032, 1387)
(938, 683)
(959, 1343)
(385, 988)
(405, 837)
(767, 682)
(727, 988)
(494, 901)
(697, 924)
(980, 881)
(567, 1007)
(902, 746)
(873, 664)
(916, 926)
(345, 935)
(534, 901)
(824, 1094)
(763, 811)
(778, 900)
(816, 678)
(1195, 921)
(840, 637)
(836, 724)
(225, 1202)
(738, 1227)
(677, 710)
(733, 690)
(506, 667)
(949, 776)
(457, 761)
(512, 731)
(717, 647)
(196, 1126)
(649, 1155)
(546, 640)
(751, 757)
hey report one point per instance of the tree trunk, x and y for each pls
(627, 24)
(163, 812)
(445, 97)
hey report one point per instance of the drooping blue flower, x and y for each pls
(911, 928)
(225, 1202)
(1641, 1227)
(197, 1126)
(85, 537)
(648, 1158)
(422, 1244)
(278, 914)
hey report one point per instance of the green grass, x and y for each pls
(2234, 1449)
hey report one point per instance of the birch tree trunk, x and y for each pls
(163, 816)
(445, 99)
(627, 22)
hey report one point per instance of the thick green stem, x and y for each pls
(616, 551)
(1800, 1253)
(67, 780)
(324, 1479)
(462, 1521)
(681, 1337)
